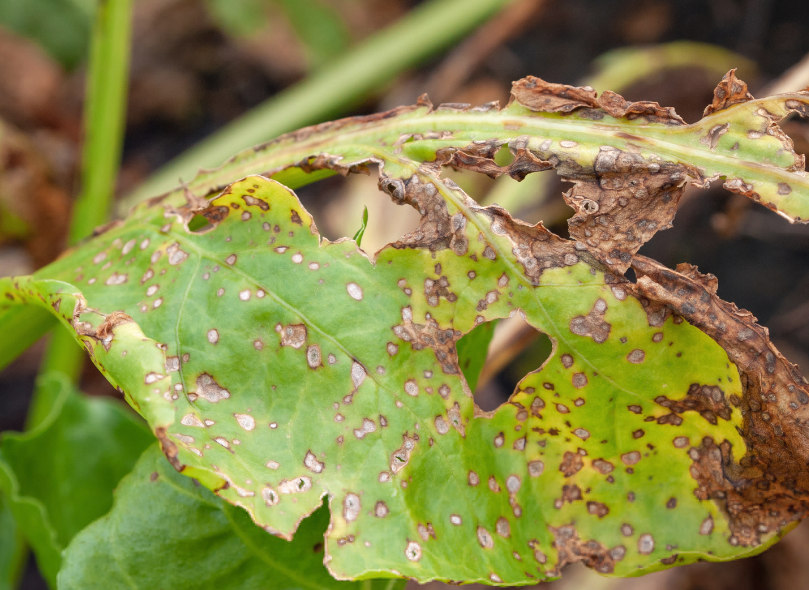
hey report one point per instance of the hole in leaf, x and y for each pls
(504, 157)
(341, 215)
(512, 349)
(199, 224)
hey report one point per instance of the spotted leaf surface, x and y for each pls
(278, 368)
(297, 369)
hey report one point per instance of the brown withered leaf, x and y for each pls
(538, 95)
(479, 157)
(617, 106)
(768, 487)
(730, 91)
(623, 202)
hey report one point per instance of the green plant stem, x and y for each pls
(104, 115)
(104, 110)
(332, 89)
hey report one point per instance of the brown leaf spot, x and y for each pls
(592, 325)
(485, 538)
(631, 458)
(572, 549)
(313, 356)
(598, 509)
(603, 466)
(730, 91)
(646, 544)
(293, 335)
(637, 356)
(208, 388)
(571, 464)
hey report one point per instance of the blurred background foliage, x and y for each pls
(209, 77)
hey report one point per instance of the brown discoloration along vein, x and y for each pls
(768, 487)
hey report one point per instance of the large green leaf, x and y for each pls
(165, 531)
(277, 368)
(59, 477)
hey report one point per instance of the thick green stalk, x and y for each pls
(104, 110)
(333, 89)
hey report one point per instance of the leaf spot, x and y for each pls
(311, 462)
(637, 356)
(270, 496)
(646, 544)
(484, 538)
(246, 421)
(413, 551)
(351, 507)
(355, 291)
(208, 388)
(411, 387)
(313, 356)
(631, 458)
(579, 380)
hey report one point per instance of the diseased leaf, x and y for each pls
(166, 531)
(256, 337)
(277, 368)
(59, 477)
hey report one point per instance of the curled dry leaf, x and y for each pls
(277, 367)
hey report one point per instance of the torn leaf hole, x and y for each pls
(515, 349)
(199, 224)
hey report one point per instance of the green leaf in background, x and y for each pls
(319, 27)
(61, 27)
(361, 230)
(12, 548)
(166, 531)
(59, 477)
(472, 351)
(240, 18)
